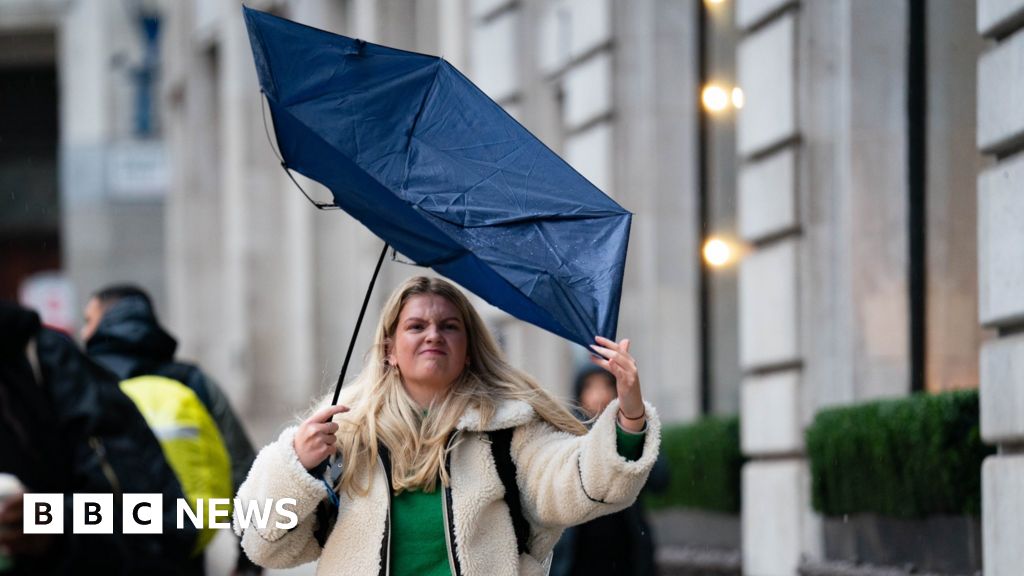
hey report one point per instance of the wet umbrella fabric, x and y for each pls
(422, 157)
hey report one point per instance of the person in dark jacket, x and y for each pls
(598, 547)
(67, 428)
(122, 333)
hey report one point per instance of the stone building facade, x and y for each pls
(871, 180)
(1000, 193)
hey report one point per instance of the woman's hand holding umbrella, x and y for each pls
(615, 358)
(315, 440)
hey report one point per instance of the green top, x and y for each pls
(417, 535)
(418, 545)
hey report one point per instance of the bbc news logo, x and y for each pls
(143, 513)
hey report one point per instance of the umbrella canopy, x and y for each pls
(422, 157)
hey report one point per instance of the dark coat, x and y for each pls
(74, 431)
(129, 341)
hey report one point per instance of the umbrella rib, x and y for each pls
(533, 165)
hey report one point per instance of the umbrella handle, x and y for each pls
(359, 322)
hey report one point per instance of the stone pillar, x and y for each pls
(195, 255)
(776, 497)
(236, 269)
(854, 202)
(1001, 281)
(655, 162)
(112, 226)
(85, 120)
(238, 203)
(953, 334)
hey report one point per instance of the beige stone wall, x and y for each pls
(1000, 136)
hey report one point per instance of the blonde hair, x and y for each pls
(382, 410)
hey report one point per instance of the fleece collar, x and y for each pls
(509, 414)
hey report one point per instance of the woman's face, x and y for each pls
(429, 345)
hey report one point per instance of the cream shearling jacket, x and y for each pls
(563, 480)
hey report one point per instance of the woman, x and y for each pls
(419, 492)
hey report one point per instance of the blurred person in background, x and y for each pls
(67, 428)
(122, 333)
(619, 544)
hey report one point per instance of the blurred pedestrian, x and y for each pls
(122, 333)
(619, 544)
(67, 428)
(451, 460)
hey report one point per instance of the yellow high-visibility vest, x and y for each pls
(190, 440)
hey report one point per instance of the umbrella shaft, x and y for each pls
(359, 322)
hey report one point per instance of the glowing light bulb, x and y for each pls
(717, 252)
(715, 98)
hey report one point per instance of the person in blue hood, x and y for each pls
(122, 333)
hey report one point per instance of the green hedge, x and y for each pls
(907, 458)
(704, 463)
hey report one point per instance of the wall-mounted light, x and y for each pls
(718, 252)
(714, 2)
(738, 99)
(715, 98)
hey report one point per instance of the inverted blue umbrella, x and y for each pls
(421, 156)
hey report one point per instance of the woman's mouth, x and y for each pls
(434, 352)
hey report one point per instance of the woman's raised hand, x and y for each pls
(615, 358)
(315, 440)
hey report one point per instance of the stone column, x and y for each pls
(194, 230)
(1001, 281)
(239, 204)
(822, 201)
(778, 527)
(953, 335)
(655, 162)
(112, 226)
